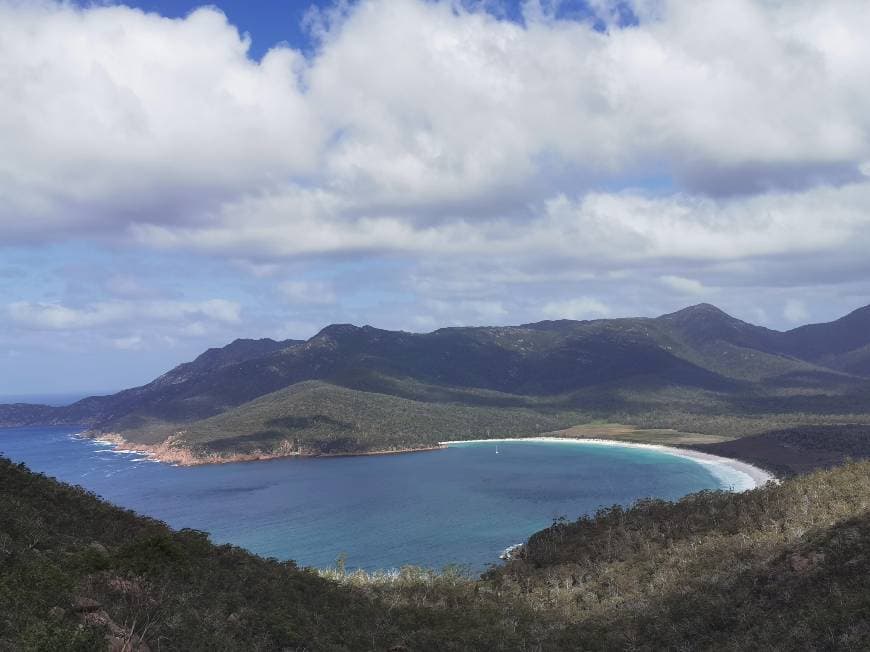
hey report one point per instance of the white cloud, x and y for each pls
(579, 308)
(684, 285)
(50, 316)
(55, 316)
(423, 134)
(634, 227)
(795, 311)
(109, 108)
(124, 123)
(614, 228)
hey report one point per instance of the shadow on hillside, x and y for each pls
(798, 450)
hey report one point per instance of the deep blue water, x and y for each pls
(464, 504)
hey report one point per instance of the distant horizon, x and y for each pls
(58, 399)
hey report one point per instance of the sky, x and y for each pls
(175, 176)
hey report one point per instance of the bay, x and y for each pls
(460, 505)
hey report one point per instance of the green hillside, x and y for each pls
(317, 418)
(779, 568)
(786, 567)
(320, 418)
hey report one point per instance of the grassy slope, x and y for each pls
(323, 418)
(784, 567)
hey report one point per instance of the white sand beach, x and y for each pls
(734, 475)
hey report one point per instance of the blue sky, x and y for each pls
(268, 23)
(169, 185)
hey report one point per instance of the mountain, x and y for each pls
(842, 344)
(677, 371)
(199, 388)
(705, 323)
(782, 567)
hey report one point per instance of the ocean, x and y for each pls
(461, 505)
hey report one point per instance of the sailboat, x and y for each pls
(496, 449)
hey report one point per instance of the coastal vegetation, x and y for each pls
(781, 567)
(319, 418)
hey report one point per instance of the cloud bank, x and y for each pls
(546, 167)
(419, 124)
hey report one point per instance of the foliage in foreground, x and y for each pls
(782, 567)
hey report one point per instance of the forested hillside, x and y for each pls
(784, 567)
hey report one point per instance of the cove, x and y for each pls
(460, 505)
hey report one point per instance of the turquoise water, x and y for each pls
(464, 504)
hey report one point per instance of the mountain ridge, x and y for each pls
(595, 369)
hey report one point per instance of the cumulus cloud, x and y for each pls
(494, 168)
(120, 122)
(611, 228)
(109, 109)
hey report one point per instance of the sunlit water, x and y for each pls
(464, 504)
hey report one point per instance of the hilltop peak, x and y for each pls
(337, 330)
(700, 310)
(706, 323)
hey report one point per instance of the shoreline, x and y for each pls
(735, 475)
(167, 452)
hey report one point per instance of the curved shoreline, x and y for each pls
(733, 474)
